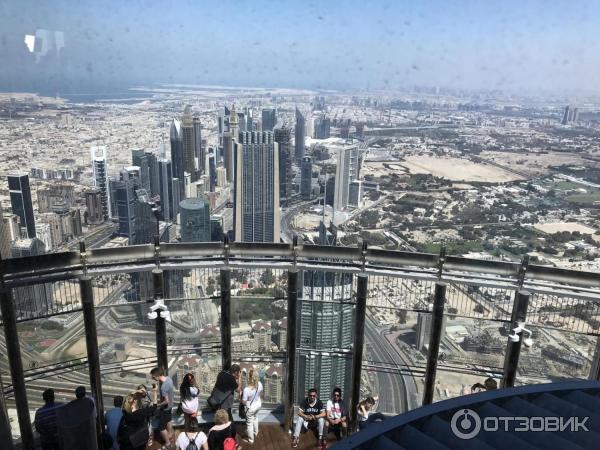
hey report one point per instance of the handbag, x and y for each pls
(139, 437)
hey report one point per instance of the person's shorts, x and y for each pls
(165, 417)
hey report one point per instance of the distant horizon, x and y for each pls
(533, 47)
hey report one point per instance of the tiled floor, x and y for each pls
(272, 437)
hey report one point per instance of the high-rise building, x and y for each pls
(165, 182)
(566, 115)
(228, 155)
(283, 136)
(198, 147)
(21, 203)
(346, 171)
(257, 211)
(423, 331)
(100, 169)
(355, 193)
(139, 159)
(176, 138)
(216, 228)
(300, 135)
(221, 177)
(322, 128)
(55, 193)
(195, 220)
(153, 173)
(326, 318)
(5, 236)
(306, 178)
(176, 197)
(212, 169)
(34, 299)
(126, 202)
(189, 143)
(269, 119)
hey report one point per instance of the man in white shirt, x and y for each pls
(337, 415)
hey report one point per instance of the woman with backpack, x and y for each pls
(192, 438)
(222, 435)
(189, 399)
(251, 403)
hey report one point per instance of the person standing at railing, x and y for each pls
(112, 419)
(134, 432)
(45, 421)
(227, 384)
(188, 392)
(251, 402)
(165, 404)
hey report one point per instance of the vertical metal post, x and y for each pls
(161, 325)
(437, 324)
(91, 341)
(292, 307)
(358, 345)
(13, 349)
(595, 369)
(225, 276)
(513, 349)
(5, 432)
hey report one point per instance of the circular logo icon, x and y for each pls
(465, 424)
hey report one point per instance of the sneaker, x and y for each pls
(295, 442)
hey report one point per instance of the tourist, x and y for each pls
(165, 403)
(222, 435)
(112, 418)
(311, 414)
(45, 421)
(367, 414)
(226, 386)
(192, 435)
(490, 384)
(251, 402)
(337, 415)
(188, 392)
(134, 430)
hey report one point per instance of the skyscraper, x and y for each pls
(93, 202)
(346, 171)
(5, 238)
(257, 212)
(326, 318)
(300, 134)
(139, 159)
(21, 203)
(355, 193)
(211, 167)
(33, 299)
(176, 138)
(189, 143)
(195, 220)
(322, 127)
(126, 202)
(283, 136)
(100, 168)
(306, 178)
(165, 181)
(198, 148)
(269, 119)
(228, 155)
(153, 173)
(566, 114)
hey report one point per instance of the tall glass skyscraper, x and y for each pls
(346, 171)
(189, 143)
(176, 138)
(100, 168)
(326, 323)
(165, 182)
(195, 220)
(269, 119)
(300, 134)
(257, 213)
(20, 201)
(283, 136)
(306, 178)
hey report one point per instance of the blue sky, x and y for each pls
(515, 45)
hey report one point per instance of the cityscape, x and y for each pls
(481, 174)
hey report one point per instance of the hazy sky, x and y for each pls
(552, 45)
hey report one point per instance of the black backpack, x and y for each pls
(192, 445)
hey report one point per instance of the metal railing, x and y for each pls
(436, 285)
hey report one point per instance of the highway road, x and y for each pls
(397, 393)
